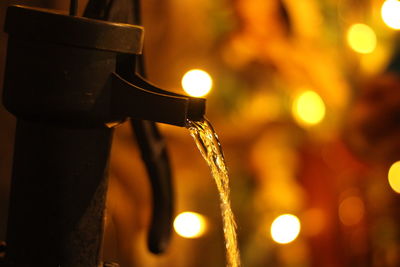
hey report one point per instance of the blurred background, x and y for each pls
(305, 98)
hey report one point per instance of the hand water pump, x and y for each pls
(67, 79)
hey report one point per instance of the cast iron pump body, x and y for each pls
(66, 79)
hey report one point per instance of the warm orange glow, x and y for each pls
(190, 224)
(394, 177)
(285, 228)
(390, 13)
(361, 38)
(314, 221)
(351, 210)
(197, 82)
(308, 108)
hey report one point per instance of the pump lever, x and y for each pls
(155, 156)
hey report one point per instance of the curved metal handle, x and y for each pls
(155, 157)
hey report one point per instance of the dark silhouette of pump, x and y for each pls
(67, 80)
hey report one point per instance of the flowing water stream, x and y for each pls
(210, 148)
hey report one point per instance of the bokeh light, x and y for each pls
(361, 38)
(394, 176)
(390, 13)
(190, 224)
(313, 221)
(285, 228)
(351, 210)
(197, 82)
(308, 108)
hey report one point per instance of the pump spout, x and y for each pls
(141, 100)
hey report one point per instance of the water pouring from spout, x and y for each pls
(210, 148)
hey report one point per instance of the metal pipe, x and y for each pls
(59, 185)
